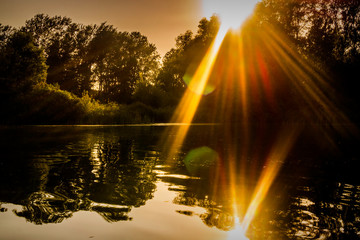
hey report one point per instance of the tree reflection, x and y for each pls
(41, 207)
(334, 215)
(111, 173)
(97, 172)
(219, 219)
(113, 214)
(306, 209)
(2, 209)
(311, 210)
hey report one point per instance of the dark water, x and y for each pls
(114, 182)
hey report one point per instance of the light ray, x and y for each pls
(276, 158)
(244, 74)
(189, 103)
(202, 74)
(238, 232)
(309, 83)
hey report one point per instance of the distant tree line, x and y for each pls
(53, 70)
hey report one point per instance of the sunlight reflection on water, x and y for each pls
(111, 183)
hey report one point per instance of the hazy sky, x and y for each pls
(160, 20)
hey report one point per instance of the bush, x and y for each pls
(48, 104)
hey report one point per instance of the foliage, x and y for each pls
(55, 71)
(86, 57)
(48, 104)
(186, 55)
(22, 64)
(327, 34)
(322, 29)
(64, 44)
(119, 61)
(5, 33)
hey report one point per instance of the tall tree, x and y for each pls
(118, 61)
(327, 33)
(82, 58)
(22, 64)
(188, 51)
(321, 29)
(66, 47)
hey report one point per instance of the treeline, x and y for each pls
(55, 71)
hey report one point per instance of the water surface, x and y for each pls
(114, 182)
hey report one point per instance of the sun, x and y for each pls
(232, 13)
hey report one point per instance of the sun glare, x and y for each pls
(232, 15)
(231, 12)
(239, 61)
(238, 233)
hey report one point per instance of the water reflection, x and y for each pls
(96, 171)
(55, 172)
(310, 209)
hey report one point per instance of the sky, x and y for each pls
(160, 20)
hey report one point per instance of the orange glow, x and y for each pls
(237, 233)
(276, 158)
(189, 103)
(202, 74)
(254, 70)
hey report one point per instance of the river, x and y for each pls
(116, 182)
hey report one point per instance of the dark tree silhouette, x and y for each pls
(66, 47)
(118, 61)
(325, 33)
(83, 58)
(22, 66)
(188, 51)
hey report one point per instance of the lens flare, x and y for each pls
(258, 70)
(276, 158)
(200, 159)
(189, 103)
(233, 15)
(198, 82)
(238, 232)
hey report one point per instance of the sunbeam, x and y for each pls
(189, 103)
(256, 72)
(274, 162)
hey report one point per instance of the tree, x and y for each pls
(83, 58)
(66, 48)
(5, 33)
(327, 34)
(188, 52)
(22, 64)
(118, 59)
(323, 30)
